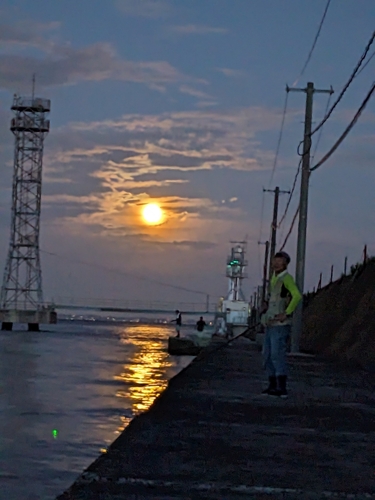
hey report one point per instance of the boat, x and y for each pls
(190, 344)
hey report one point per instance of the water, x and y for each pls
(66, 394)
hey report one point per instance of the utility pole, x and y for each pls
(276, 192)
(303, 205)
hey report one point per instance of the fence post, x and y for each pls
(365, 255)
(320, 282)
(331, 274)
(345, 265)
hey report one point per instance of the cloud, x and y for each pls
(206, 104)
(62, 64)
(234, 73)
(181, 141)
(196, 29)
(27, 34)
(152, 9)
(67, 65)
(186, 89)
(192, 245)
(100, 173)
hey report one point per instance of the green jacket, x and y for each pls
(284, 298)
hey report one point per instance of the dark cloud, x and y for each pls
(67, 65)
(62, 64)
(26, 33)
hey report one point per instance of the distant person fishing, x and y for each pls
(178, 322)
(200, 324)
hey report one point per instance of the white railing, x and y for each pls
(32, 102)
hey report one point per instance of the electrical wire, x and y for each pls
(290, 230)
(261, 218)
(261, 231)
(299, 167)
(351, 78)
(291, 194)
(347, 130)
(314, 42)
(125, 273)
(366, 63)
(321, 128)
(280, 137)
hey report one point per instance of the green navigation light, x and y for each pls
(54, 433)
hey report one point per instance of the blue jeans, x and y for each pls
(274, 350)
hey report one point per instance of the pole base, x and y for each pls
(6, 326)
(33, 327)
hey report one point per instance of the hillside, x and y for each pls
(339, 320)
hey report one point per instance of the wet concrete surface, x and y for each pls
(212, 435)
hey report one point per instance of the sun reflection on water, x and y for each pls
(147, 370)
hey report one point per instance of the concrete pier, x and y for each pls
(33, 319)
(212, 435)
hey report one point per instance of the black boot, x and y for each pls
(272, 386)
(281, 386)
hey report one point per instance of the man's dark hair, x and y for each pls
(282, 255)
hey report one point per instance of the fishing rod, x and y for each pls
(221, 346)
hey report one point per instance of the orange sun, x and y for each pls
(152, 213)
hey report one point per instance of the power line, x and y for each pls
(125, 273)
(290, 229)
(347, 130)
(280, 137)
(291, 194)
(351, 78)
(366, 63)
(321, 128)
(314, 42)
(299, 168)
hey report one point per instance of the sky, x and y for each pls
(179, 103)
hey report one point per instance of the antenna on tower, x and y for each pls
(33, 87)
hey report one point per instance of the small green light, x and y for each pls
(54, 433)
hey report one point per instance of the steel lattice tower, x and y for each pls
(22, 283)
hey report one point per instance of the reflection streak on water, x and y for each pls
(144, 374)
(66, 391)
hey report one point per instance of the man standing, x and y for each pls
(178, 322)
(277, 319)
(201, 324)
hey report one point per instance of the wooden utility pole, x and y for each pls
(277, 193)
(303, 204)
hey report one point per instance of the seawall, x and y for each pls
(212, 435)
(339, 321)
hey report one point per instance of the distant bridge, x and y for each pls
(133, 306)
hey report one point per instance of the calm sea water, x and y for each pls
(66, 394)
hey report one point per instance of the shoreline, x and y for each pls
(211, 434)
